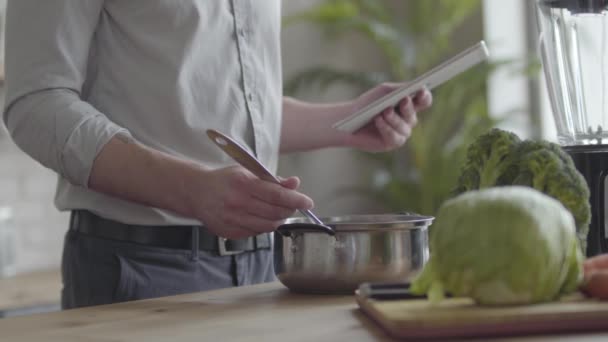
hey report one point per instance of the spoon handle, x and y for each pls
(248, 161)
(241, 155)
(311, 216)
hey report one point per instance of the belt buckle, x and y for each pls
(223, 251)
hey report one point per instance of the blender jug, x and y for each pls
(574, 52)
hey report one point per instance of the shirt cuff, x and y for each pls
(84, 144)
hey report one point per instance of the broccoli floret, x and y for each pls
(500, 158)
(527, 146)
(488, 161)
(546, 167)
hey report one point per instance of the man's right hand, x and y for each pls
(233, 203)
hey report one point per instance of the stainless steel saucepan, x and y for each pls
(365, 248)
(336, 254)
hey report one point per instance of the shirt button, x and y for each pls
(250, 97)
(241, 32)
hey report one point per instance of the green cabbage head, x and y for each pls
(501, 246)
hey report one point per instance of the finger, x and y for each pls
(389, 135)
(290, 183)
(597, 285)
(240, 221)
(397, 122)
(423, 100)
(596, 262)
(278, 195)
(410, 118)
(267, 211)
(383, 89)
(250, 205)
(408, 112)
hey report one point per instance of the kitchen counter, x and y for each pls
(266, 312)
(30, 292)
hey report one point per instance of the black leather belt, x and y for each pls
(177, 237)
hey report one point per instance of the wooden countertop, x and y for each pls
(266, 312)
(30, 290)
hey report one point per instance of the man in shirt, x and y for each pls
(116, 96)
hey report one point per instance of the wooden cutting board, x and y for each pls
(460, 317)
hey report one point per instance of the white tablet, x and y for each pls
(431, 79)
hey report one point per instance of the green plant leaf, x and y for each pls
(330, 14)
(322, 77)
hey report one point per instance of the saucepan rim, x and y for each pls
(367, 222)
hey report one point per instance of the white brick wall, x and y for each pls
(28, 189)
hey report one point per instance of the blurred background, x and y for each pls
(333, 50)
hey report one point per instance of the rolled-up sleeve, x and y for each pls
(47, 53)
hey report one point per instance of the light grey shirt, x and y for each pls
(80, 71)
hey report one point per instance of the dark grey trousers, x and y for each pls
(99, 271)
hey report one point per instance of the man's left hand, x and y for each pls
(393, 126)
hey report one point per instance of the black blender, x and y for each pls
(574, 54)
